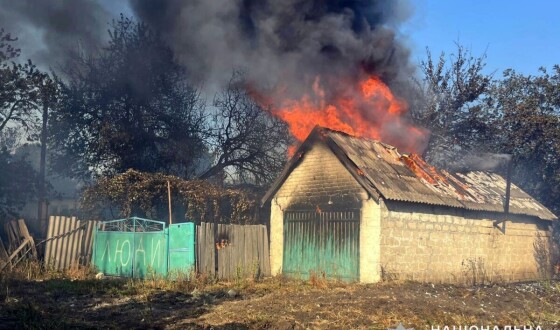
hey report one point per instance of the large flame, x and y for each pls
(365, 109)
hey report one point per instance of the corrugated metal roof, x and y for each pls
(409, 178)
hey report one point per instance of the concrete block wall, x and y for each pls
(437, 244)
(320, 176)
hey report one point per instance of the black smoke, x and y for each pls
(283, 42)
(50, 32)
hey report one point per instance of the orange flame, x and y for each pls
(366, 109)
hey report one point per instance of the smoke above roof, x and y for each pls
(283, 42)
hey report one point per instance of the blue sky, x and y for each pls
(522, 35)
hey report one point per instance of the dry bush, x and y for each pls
(475, 271)
(318, 279)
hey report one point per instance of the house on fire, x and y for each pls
(359, 210)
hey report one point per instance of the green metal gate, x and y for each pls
(322, 242)
(181, 248)
(137, 247)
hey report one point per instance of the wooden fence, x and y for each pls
(20, 244)
(69, 242)
(241, 251)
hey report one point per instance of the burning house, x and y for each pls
(357, 209)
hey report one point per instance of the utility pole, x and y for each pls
(42, 208)
(169, 201)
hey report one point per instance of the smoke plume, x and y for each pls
(283, 43)
(50, 31)
(474, 161)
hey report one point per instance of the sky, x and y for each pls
(522, 35)
(514, 34)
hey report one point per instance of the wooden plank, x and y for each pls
(211, 249)
(247, 249)
(208, 253)
(197, 248)
(24, 232)
(255, 247)
(241, 243)
(206, 250)
(22, 228)
(204, 246)
(19, 249)
(224, 267)
(220, 269)
(226, 262)
(266, 253)
(237, 241)
(260, 251)
(201, 247)
(233, 231)
(225, 271)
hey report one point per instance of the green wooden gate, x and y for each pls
(322, 242)
(137, 247)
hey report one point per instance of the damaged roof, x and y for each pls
(384, 172)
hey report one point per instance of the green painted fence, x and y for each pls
(137, 247)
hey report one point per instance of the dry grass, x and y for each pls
(32, 296)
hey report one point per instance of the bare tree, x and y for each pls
(248, 142)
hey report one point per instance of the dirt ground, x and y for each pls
(276, 303)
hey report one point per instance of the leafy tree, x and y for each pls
(128, 106)
(23, 91)
(246, 139)
(19, 91)
(448, 102)
(469, 112)
(528, 127)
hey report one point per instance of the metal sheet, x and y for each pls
(322, 243)
(132, 251)
(396, 180)
(68, 242)
(181, 249)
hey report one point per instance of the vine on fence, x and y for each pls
(135, 190)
